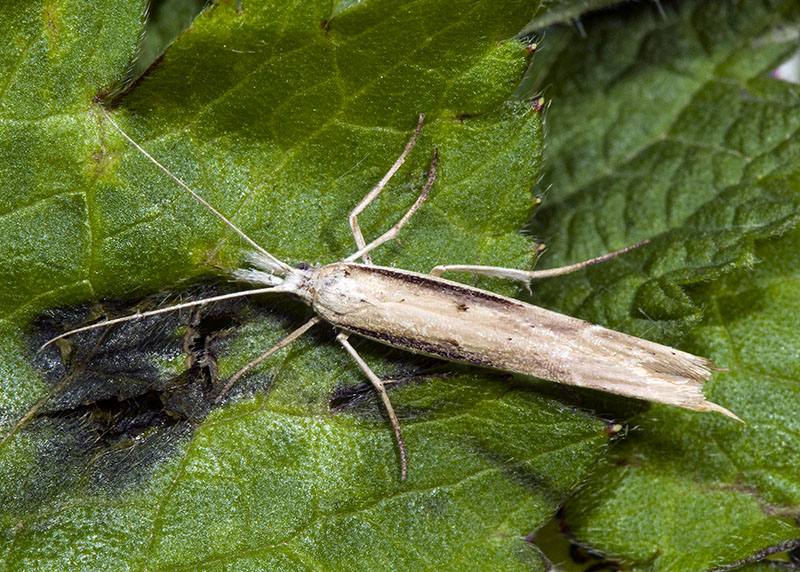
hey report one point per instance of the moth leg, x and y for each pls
(281, 344)
(378, 384)
(392, 232)
(526, 276)
(360, 243)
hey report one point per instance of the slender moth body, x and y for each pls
(433, 316)
(445, 319)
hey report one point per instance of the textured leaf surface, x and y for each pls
(113, 455)
(674, 130)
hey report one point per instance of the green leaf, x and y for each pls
(701, 485)
(673, 130)
(113, 453)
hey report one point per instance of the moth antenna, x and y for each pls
(140, 315)
(285, 268)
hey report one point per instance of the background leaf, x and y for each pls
(283, 117)
(674, 128)
(167, 19)
(564, 11)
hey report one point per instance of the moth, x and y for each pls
(430, 315)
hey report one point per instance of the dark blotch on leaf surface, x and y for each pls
(122, 396)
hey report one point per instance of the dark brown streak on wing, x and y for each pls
(463, 293)
(419, 346)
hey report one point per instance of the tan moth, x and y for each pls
(426, 314)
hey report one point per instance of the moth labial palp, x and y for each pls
(426, 314)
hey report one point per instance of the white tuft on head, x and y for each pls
(267, 263)
(267, 272)
(257, 277)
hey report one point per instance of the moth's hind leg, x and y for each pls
(359, 238)
(526, 276)
(379, 387)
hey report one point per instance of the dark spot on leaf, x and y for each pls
(123, 397)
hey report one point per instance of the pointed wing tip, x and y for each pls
(709, 406)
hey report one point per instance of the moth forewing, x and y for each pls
(438, 317)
